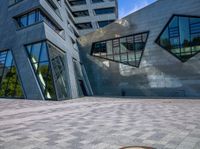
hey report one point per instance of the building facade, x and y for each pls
(90, 15)
(39, 56)
(153, 52)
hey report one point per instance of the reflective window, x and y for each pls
(77, 2)
(82, 13)
(10, 86)
(181, 37)
(104, 11)
(48, 64)
(104, 23)
(97, 1)
(37, 16)
(79, 79)
(127, 50)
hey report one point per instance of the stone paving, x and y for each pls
(100, 123)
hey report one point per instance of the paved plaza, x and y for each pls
(100, 123)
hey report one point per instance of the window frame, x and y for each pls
(163, 30)
(118, 38)
(46, 41)
(45, 18)
(14, 64)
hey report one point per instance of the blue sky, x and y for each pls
(128, 6)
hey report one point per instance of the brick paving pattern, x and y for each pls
(100, 123)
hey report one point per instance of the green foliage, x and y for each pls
(10, 86)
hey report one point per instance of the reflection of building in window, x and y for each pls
(9, 81)
(127, 50)
(48, 63)
(181, 37)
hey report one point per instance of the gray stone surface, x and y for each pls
(99, 123)
(160, 74)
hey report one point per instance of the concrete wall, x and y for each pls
(160, 73)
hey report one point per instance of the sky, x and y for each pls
(128, 6)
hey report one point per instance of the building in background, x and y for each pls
(90, 15)
(153, 52)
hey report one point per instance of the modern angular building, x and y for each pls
(89, 15)
(39, 56)
(152, 52)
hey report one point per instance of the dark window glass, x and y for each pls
(104, 11)
(127, 50)
(12, 2)
(23, 21)
(77, 2)
(79, 79)
(104, 23)
(181, 37)
(48, 63)
(36, 16)
(80, 13)
(10, 86)
(97, 1)
(31, 18)
(59, 71)
(84, 25)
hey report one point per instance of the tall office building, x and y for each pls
(90, 15)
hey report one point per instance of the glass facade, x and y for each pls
(79, 79)
(87, 25)
(10, 86)
(77, 2)
(104, 23)
(48, 64)
(181, 37)
(104, 11)
(127, 50)
(37, 16)
(82, 13)
(97, 1)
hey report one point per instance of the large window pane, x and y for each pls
(36, 16)
(181, 37)
(48, 63)
(127, 50)
(31, 18)
(9, 82)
